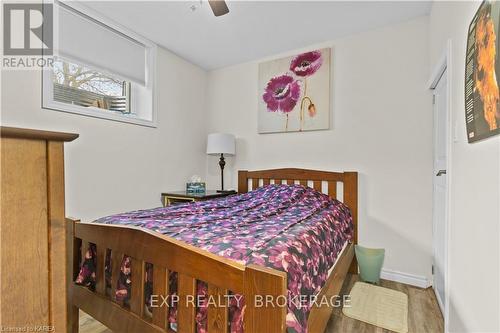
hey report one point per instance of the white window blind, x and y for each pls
(87, 41)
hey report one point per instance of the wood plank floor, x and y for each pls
(424, 315)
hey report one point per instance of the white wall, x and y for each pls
(474, 266)
(381, 127)
(115, 167)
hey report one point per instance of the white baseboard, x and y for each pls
(413, 280)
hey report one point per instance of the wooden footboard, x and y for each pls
(167, 254)
(191, 264)
(222, 275)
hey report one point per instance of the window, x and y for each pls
(79, 85)
(100, 69)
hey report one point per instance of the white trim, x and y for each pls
(49, 104)
(52, 105)
(445, 64)
(440, 303)
(406, 278)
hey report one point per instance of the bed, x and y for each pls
(167, 254)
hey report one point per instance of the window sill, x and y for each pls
(97, 113)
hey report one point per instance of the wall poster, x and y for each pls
(482, 68)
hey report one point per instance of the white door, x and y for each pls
(440, 189)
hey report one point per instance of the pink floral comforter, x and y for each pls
(291, 228)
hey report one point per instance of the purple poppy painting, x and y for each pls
(306, 64)
(294, 93)
(281, 94)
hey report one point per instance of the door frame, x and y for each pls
(444, 66)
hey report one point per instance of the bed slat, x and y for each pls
(290, 181)
(100, 279)
(137, 292)
(277, 181)
(116, 262)
(160, 287)
(317, 185)
(255, 183)
(332, 190)
(84, 248)
(217, 313)
(266, 181)
(186, 310)
(76, 253)
(242, 182)
(303, 182)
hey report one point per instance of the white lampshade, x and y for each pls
(221, 143)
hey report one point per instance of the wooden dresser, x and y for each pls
(33, 270)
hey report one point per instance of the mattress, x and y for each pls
(291, 228)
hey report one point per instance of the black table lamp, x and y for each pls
(220, 144)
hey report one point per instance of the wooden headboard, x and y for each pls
(250, 180)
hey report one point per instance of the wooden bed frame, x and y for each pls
(191, 263)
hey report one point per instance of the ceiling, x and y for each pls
(252, 29)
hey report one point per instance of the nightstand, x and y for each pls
(173, 197)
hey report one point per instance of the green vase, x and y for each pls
(370, 263)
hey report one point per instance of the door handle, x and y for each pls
(440, 173)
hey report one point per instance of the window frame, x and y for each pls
(48, 102)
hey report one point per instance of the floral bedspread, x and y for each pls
(291, 228)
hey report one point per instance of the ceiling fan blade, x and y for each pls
(219, 7)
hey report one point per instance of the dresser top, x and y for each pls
(26, 133)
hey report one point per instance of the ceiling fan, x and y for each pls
(219, 7)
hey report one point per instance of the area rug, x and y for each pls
(378, 306)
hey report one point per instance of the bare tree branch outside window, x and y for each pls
(73, 78)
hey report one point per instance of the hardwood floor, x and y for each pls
(424, 315)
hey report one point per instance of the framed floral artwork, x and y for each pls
(294, 93)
